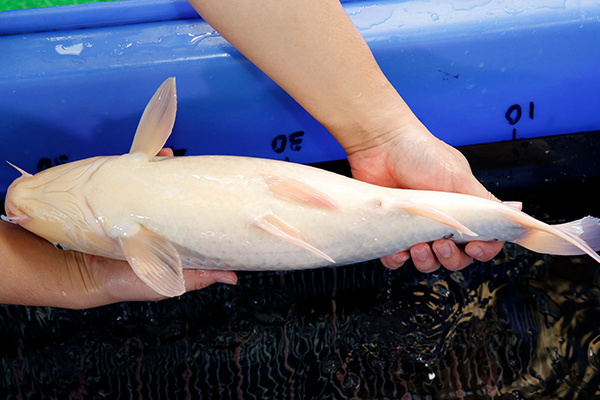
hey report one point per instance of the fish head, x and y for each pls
(51, 205)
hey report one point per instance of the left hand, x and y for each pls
(116, 282)
(34, 272)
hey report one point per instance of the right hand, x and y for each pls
(412, 158)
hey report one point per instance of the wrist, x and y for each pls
(84, 289)
(372, 119)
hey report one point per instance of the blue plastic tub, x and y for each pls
(74, 80)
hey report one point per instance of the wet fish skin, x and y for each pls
(219, 212)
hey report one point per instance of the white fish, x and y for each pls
(215, 212)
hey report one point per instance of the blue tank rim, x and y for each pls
(96, 15)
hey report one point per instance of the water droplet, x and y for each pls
(513, 360)
(441, 289)
(435, 16)
(457, 276)
(73, 50)
(351, 381)
(377, 362)
(594, 353)
(330, 364)
(532, 332)
(517, 395)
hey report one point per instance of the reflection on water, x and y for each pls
(524, 326)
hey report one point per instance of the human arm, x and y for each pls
(34, 272)
(315, 53)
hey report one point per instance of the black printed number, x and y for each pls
(280, 143)
(514, 113)
(46, 163)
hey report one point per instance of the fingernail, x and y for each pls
(475, 252)
(420, 254)
(515, 204)
(444, 250)
(227, 280)
(401, 258)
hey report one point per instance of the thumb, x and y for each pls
(196, 279)
(477, 189)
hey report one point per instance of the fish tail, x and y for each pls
(573, 238)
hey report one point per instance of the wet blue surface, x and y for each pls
(79, 77)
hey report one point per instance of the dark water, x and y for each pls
(523, 326)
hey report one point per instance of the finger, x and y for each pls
(483, 251)
(395, 261)
(450, 256)
(423, 258)
(196, 279)
(514, 204)
(165, 152)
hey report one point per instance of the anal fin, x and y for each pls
(155, 261)
(299, 192)
(436, 215)
(274, 225)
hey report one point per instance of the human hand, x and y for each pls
(412, 158)
(106, 281)
(36, 273)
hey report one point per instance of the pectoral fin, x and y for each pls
(276, 226)
(157, 121)
(155, 261)
(436, 215)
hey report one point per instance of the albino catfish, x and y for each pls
(163, 214)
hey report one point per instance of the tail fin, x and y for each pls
(573, 238)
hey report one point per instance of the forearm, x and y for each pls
(34, 272)
(315, 53)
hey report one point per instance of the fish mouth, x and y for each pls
(15, 214)
(13, 211)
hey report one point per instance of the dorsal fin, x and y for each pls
(157, 121)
